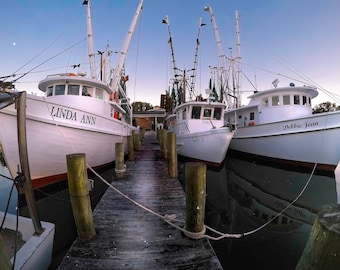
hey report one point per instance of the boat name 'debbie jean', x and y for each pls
(300, 125)
(71, 115)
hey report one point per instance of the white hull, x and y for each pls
(208, 146)
(313, 139)
(200, 131)
(36, 253)
(51, 138)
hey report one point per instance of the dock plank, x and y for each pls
(129, 237)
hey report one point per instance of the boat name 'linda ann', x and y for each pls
(72, 115)
(297, 125)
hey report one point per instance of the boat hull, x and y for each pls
(305, 141)
(208, 146)
(54, 130)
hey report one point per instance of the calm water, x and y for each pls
(241, 197)
(244, 195)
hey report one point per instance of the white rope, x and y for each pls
(170, 219)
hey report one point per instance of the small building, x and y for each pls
(150, 119)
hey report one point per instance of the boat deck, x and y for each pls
(129, 237)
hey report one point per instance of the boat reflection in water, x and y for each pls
(245, 195)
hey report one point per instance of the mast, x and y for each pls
(173, 61)
(117, 73)
(194, 70)
(238, 62)
(221, 55)
(90, 40)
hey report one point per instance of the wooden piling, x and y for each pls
(79, 194)
(131, 153)
(136, 141)
(119, 161)
(23, 154)
(163, 143)
(195, 190)
(172, 154)
(5, 263)
(322, 250)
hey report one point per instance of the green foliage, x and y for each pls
(325, 107)
(139, 106)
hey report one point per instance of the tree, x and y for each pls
(325, 107)
(139, 106)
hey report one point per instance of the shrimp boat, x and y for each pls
(278, 124)
(201, 134)
(77, 114)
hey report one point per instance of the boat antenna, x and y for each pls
(90, 40)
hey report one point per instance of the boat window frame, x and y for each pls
(57, 91)
(275, 100)
(196, 112)
(286, 101)
(217, 113)
(87, 91)
(265, 102)
(297, 99)
(99, 91)
(207, 113)
(50, 91)
(73, 89)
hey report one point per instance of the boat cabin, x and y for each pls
(65, 86)
(196, 116)
(273, 105)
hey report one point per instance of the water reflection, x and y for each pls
(244, 195)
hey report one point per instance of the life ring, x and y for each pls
(251, 124)
(72, 74)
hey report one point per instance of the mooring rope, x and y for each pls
(171, 218)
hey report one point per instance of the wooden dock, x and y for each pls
(128, 236)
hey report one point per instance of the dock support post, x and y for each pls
(322, 250)
(23, 154)
(79, 194)
(131, 152)
(5, 263)
(119, 161)
(136, 142)
(195, 190)
(163, 143)
(172, 154)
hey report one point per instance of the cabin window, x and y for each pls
(184, 114)
(49, 91)
(286, 100)
(265, 102)
(196, 112)
(252, 116)
(296, 99)
(309, 101)
(275, 101)
(217, 113)
(304, 100)
(60, 89)
(87, 91)
(99, 93)
(207, 113)
(73, 89)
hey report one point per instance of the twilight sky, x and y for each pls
(290, 40)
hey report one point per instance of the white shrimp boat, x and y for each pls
(278, 125)
(200, 131)
(201, 134)
(78, 114)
